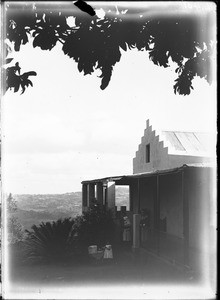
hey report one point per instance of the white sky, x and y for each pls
(65, 129)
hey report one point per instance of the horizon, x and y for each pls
(15, 194)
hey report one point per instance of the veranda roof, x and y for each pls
(126, 178)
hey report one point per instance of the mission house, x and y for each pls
(172, 187)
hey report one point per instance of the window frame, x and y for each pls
(147, 153)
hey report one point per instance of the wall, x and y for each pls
(171, 204)
(158, 154)
(179, 160)
(147, 196)
(201, 196)
(199, 193)
(168, 243)
(170, 198)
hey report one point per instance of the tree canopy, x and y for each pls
(184, 38)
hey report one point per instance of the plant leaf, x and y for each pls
(8, 60)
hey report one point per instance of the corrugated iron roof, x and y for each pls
(188, 143)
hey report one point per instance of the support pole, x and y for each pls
(99, 189)
(84, 197)
(111, 197)
(185, 221)
(139, 197)
(91, 194)
(158, 216)
(136, 231)
(131, 198)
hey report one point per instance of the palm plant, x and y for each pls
(51, 240)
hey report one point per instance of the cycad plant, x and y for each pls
(51, 241)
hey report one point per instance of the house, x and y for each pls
(171, 196)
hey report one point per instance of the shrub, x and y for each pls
(15, 229)
(96, 226)
(51, 240)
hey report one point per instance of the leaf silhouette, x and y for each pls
(19, 24)
(8, 60)
(15, 80)
(46, 39)
(95, 43)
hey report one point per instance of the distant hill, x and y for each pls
(122, 196)
(41, 202)
(37, 208)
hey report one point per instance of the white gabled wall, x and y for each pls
(160, 154)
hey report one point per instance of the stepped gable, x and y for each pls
(167, 149)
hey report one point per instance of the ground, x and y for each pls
(125, 268)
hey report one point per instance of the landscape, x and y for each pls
(37, 208)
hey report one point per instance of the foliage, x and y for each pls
(96, 43)
(15, 229)
(50, 240)
(11, 204)
(16, 80)
(70, 237)
(95, 227)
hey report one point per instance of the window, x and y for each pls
(148, 153)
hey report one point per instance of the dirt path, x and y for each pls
(125, 268)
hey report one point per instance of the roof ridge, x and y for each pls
(194, 131)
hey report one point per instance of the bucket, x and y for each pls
(92, 249)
